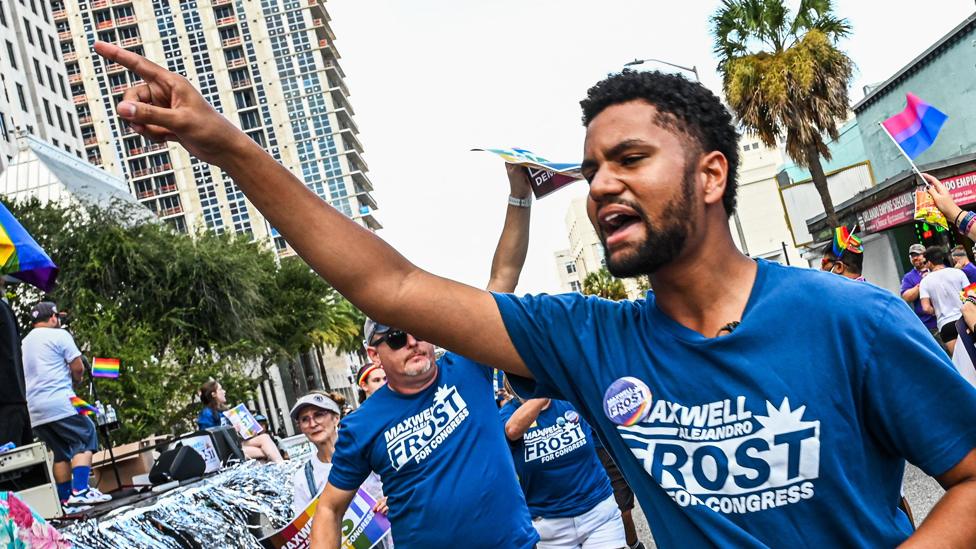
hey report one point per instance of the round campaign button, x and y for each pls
(561, 422)
(571, 416)
(627, 401)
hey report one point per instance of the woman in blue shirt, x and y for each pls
(566, 488)
(214, 400)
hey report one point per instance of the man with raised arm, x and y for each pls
(743, 408)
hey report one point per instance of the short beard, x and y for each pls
(423, 370)
(664, 243)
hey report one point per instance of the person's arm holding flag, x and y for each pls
(964, 220)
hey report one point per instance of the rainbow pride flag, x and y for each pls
(845, 240)
(916, 127)
(83, 407)
(105, 367)
(20, 255)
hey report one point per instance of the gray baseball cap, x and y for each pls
(371, 328)
(314, 399)
(916, 249)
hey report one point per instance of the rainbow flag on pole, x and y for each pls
(83, 407)
(105, 367)
(844, 240)
(20, 255)
(916, 127)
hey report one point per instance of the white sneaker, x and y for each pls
(88, 497)
(73, 509)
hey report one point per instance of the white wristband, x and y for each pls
(520, 202)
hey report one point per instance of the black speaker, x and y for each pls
(180, 463)
(227, 442)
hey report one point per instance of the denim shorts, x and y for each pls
(68, 437)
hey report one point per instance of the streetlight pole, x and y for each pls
(692, 69)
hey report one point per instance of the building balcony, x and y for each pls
(356, 162)
(337, 83)
(167, 189)
(366, 198)
(350, 141)
(84, 120)
(360, 180)
(120, 88)
(333, 70)
(113, 68)
(93, 140)
(141, 173)
(126, 130)
(70, 56)
(234, 63)
(134, 151)
(340, 102)
(171, 211)
(60, 14)
(146, 194)
(104, 24)
(368, 220)
(238, 84)
(161, 168)
(98, 4)
(127, 20)
(66, 35)
(152, 147)
(220, 2)
(234, 41)
(131, 41)
(345, 121)
(74, 78)
(224, 21)
(316, 23)
(121, 2)
(79, 99)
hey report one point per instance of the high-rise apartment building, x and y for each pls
(270, 66)
(33, 80)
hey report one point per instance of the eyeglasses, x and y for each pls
(395, 339)
(318, 417)
(824, 262)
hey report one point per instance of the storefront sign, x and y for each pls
(900, 209)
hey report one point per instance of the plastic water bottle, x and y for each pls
(110, 415)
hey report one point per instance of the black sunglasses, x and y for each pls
(395, 339)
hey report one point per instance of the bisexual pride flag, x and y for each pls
(916, 127)
(21, 256)
(105, 367)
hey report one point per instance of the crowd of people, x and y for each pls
(746, 403)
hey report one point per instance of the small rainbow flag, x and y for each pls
(844, 239)
(83, 407)
(105, 367)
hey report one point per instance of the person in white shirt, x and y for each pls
(940, 294)
(317, 416)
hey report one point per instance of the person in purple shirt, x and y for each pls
(909, 288)
(961, 261)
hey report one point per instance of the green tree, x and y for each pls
(177, 310)
(602, 283)
(784, 76)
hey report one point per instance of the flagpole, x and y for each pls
(848, 241)
(902, 151)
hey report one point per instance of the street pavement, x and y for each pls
(922, 490)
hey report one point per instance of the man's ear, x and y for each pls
(713, 173)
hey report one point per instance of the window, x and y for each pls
(244, 98)
(27, 29)
(40, 39)
(10, 52)
(3, 16)
(33, 6)
(250, 120)
(54, 49)
(37, 72)
(47, 111)
(571, 268)
(64, 91)
(574, 285)
(3, 122)
(57, 109)
(71, 125)
(20, 95)
(44, 11)
(50, 79)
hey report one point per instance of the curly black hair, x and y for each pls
(682, 105)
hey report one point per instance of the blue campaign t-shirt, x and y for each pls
(911, 279)
(443, 460)
(556, 462)
(790, 431)
(970, 271)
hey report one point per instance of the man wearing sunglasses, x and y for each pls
(432, 435)
(793, 429)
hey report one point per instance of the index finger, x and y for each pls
(136, 63)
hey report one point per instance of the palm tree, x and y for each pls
(602, 283)
(784, 76)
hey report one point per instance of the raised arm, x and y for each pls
(360, 265)
(524, 417)
(943, 200)
(513, 244)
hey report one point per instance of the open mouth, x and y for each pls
(616, 220)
